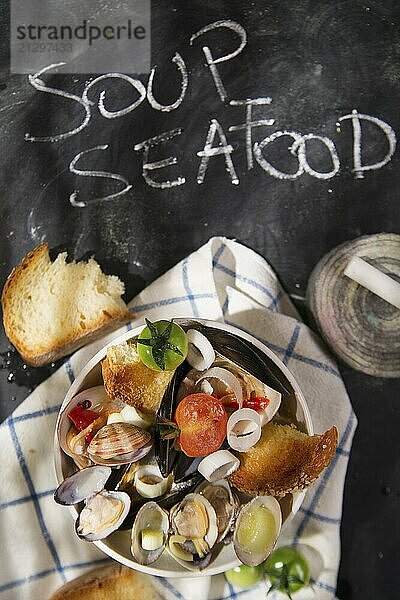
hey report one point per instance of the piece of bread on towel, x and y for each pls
(111, 582)
(52, 308)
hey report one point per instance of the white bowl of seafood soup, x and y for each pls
(117, 545)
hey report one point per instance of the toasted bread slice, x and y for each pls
(284, 460)
(52, 308)
(110, 582)
(126, 378)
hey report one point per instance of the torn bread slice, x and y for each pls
(126, 378)
(283, 461)
(52, 308)
(109, 582)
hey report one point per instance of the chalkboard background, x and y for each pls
(317, 61)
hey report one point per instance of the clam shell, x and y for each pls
(168, 500)
(221, 498)
(197, 564)
(82, 485)
(210, 537)
(102, 531)
(257, 550)
(150, 516)
(118, 444)
(97, 396)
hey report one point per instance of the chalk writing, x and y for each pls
(209, 151)
(259, 152)
(135, 83)
(387, 130)
(81, 203)
(39, 85)
(249, 124)
(212, 62)
(145, 146)
(300, 146)
(266, 165)
(180, 63)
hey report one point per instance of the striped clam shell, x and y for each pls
(362, 329)
(119, 443)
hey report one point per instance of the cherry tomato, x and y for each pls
(287, 570)
(243, 576)
(202, 423)
(162, 346)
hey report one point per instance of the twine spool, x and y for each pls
(361, 329)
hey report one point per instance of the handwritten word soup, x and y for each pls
(218, 141)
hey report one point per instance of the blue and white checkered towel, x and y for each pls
(223, 280)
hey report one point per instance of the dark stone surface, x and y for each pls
(318, 61)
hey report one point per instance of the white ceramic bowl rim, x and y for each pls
(76, 387)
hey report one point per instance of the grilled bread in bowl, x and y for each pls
(285, 460)
(127, 379)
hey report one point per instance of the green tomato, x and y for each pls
(287, 570)
(162, 346)
(243, 576)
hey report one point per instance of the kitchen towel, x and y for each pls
(224, 281)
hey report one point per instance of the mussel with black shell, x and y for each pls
(169, 458)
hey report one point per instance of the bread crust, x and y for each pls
(110, 582)
(33, 256)
(135, 384)
(283, 461)
(42, 356)
(40, 360)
